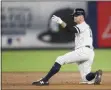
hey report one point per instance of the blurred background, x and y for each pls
(27, 25)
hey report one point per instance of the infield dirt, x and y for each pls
(61, 81)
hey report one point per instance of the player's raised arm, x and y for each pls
(64, 25)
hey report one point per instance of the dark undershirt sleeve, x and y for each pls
(74, 29)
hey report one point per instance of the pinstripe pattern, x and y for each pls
(78, 30)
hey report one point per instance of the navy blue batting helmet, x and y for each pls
(77, 12)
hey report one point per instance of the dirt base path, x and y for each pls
(61, 81)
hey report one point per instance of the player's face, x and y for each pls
(78, 19)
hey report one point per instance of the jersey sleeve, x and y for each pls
(74, 29)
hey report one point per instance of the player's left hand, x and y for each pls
(56, 19)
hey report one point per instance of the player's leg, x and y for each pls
(61, 60)
(70, 57)
(85, 67)
(85, 71)
(89, 77)
(78, 55)
(73, 57)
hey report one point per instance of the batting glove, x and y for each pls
(56, 19)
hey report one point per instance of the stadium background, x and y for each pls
(31, 42)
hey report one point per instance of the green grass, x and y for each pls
(42, 60)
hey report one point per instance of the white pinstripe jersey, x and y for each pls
(83, 36)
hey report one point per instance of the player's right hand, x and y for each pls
(56, 19)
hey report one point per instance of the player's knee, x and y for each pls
(60, 60)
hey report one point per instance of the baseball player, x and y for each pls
(82, 55)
